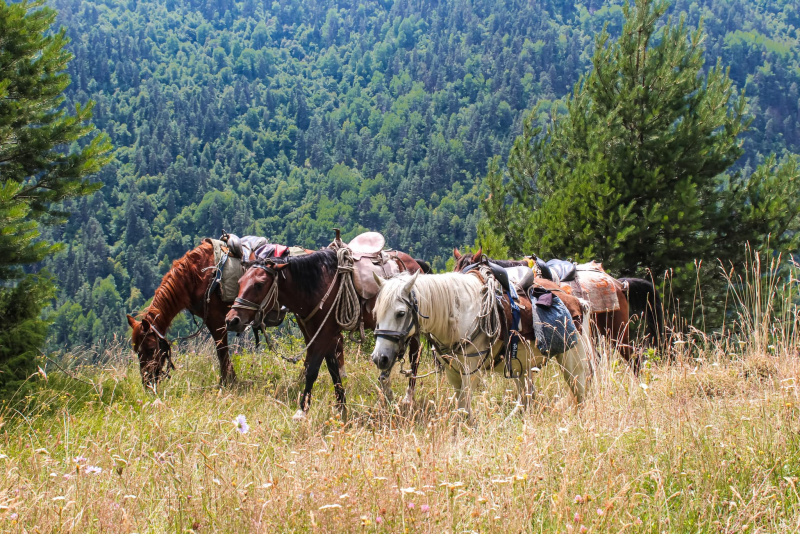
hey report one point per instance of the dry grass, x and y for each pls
(706, 444)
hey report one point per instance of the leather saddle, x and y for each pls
(500, 274)
(564, 270)
(241, 247)
(368, 258)
(522, 277)
(366, 244)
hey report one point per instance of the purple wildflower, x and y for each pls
(241, 424)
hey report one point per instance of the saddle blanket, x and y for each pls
(592, 283)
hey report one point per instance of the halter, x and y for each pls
(401, 337)
(270, 297)
(163, 347)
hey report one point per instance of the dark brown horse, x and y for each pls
(614, 325)
(307, 286)
(184, 287)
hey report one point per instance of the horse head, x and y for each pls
(257, 293)
(395, 318)
(463, 260)
(151, 347)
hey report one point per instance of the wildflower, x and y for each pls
(67, 476)
(93, 469)
(14, 516)
(578, 499)
(600, 512)
(584, 530)
(577, 517)
(378, 520)
(425, 508)
(411, 506)
(241, 424)
(80, 459)
(365, 522)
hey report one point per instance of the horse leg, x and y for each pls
(216, 325)
(332, 362)
(385, 381)
(575, 367)
(340, 357)
(414, 347)
(313, 362)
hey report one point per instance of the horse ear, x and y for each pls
(410, 284)
(456, 254)
(145, 325)
(280, 266)
(131, 321)
(378, 279)
(479, 253)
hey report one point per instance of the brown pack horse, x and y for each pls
(184, 287)
(307, 286)
(613, 325)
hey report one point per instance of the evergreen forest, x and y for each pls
(290, 118)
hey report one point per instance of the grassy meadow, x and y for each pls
(708, 443)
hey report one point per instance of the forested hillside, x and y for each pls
(291, 118)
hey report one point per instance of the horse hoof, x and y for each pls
(299, 415)
(342, 373)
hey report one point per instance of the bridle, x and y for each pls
(164, 347)
(401, 337)
(270, 300)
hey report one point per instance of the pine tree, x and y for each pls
(36, 173)
(634, 173)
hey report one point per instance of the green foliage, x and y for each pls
(36, 173)
(634, 172)
(22, 330)
(246, 108)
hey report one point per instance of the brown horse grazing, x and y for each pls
(184, 287)
(308, 286)
(613, 324)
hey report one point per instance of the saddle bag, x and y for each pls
(552, 324)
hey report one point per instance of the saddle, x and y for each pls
(500, 274)
(366, 244)
(522, 277)
(564, 270)
(368, 258)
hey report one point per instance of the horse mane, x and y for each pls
(172, 294)
(309, 271)
(442, 298)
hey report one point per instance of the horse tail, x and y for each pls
(644, 299)
(425, 266)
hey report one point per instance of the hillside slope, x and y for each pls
(291, 118)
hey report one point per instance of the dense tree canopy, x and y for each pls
(634, 172)
(288, 118)
(36, 172)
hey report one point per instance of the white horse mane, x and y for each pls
(443, 298)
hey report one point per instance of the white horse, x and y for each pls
(447, 308)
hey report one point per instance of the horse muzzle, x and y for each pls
(234, 323)
(382, 360)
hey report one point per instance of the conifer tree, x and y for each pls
(634, 173)
(38, 170)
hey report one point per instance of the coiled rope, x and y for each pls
(348, 312)
(489, 317)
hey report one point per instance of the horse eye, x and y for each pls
(259, 286)
(401, 313)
